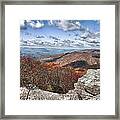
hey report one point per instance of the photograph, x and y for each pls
(60, 60)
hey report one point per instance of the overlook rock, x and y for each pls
(78, 93)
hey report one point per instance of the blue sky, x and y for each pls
(59, 29)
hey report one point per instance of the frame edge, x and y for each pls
(2, 55)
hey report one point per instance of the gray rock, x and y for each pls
(87, 88)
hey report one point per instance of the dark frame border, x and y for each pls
(55, 2)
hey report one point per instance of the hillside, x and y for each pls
(57, 73)
(84, 59)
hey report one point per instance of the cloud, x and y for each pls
(35, 24)
(78, 23)
(66, 25)
(32, 23)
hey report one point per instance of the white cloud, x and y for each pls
(34, 24)
(66, 25)
(38, 24)
(87, 29)
(78, 23)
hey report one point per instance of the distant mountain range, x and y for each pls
(46, 52)
(84, 58)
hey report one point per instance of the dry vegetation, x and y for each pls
(56, 73)
(48, 76)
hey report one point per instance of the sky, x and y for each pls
(56, 32)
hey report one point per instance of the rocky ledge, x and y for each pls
(86, 88)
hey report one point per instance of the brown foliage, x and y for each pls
(48, 76)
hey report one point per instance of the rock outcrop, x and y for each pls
(86, 88)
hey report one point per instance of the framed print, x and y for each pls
(59, 60)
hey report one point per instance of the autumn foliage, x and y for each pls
(48, 76)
